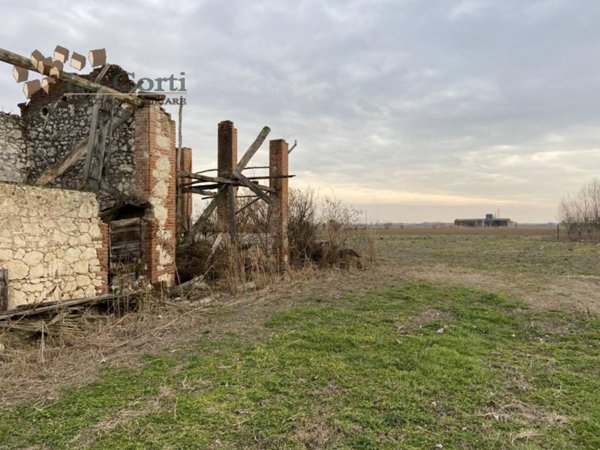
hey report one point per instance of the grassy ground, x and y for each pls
(538, 254)
(417, 366)
(500, 348)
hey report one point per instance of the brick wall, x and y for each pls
(278, 162)
(227, 158)
(155, 183)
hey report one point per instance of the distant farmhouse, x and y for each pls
(490, 221)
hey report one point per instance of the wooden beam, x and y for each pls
(20, 61)
(253, 187)
(205, 178)
(264, 133)
(194, 190)
(78, 152)
(102, 73)
(95, 177)
(210, 208)
(231, 211)
(91, 145)
(41, 308)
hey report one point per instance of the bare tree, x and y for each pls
(580, 214)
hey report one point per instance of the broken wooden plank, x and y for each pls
(102, 73)
(205, 178)
(41, 308)
(253, 149)
(231, 212)
(247, 206)
(194, 190)
(78, 152)
(253, 187)
(91, 144)
(95, 176)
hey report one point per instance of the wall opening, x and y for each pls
(125, 262)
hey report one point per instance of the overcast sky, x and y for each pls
(413, 110)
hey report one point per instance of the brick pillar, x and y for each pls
(278, 165)
(184, 201)
(227, 160)
(155, 182)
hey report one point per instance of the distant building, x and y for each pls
(490, 221)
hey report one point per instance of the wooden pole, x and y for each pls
(179, 223)
(75, 80)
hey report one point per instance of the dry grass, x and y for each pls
(465, 231)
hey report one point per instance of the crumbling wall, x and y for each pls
(56, 121)
(51, 242)
(13, 149)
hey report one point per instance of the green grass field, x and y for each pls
(426, 351)
(417, 366)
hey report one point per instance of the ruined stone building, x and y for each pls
(67, 240)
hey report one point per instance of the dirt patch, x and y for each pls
(579, 294)
(421, 319)
(520, 411)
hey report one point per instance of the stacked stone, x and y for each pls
(54, 123)
(50, 242)
(13, 149)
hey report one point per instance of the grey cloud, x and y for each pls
(436, 97)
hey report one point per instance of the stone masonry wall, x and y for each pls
(55, 122)
(13, 149)
(51, 242)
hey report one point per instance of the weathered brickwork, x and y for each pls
(279, 167)
(51, 243)
(155, 183)
(227, 159)
(13, 149)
